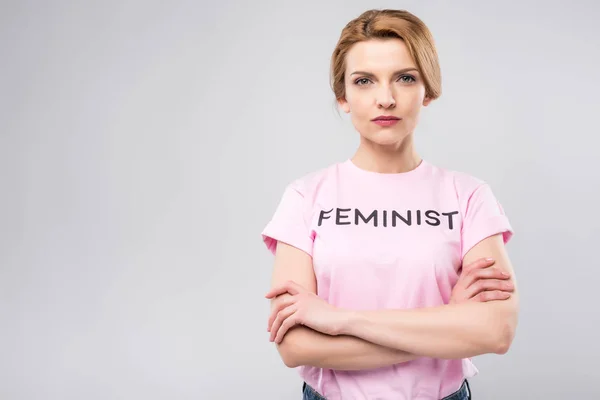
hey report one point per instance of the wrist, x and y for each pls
(348, 320)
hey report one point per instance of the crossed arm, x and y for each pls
(372, 339)
(304, 346)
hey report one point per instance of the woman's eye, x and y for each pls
(410, 78)
(403, 79)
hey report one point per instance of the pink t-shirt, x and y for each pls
(387, 241)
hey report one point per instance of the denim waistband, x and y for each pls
(308, 393)
(463, 393)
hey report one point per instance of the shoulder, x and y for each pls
(310, 182)
(462, 182)
(474, 195)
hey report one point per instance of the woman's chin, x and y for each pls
(386, 139)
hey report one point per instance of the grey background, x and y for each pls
(144, 146)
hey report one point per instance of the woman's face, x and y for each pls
(382, 79)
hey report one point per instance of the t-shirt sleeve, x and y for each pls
(289, 223)
(484, 217)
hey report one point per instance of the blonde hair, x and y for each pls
(386, 24)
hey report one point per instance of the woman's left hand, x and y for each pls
(302, 308)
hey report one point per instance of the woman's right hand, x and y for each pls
(481, 281)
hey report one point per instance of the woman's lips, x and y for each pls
(386, 122)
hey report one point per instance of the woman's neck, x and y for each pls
(382, 159)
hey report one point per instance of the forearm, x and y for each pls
(449, 331)
(304, 346)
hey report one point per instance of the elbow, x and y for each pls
(288, 358)
(294, 349)
(504, 342)
(505, 334)
(287, 352)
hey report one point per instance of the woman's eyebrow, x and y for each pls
(395, 73)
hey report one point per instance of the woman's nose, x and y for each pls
(385, 98)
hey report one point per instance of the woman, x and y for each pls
(370, 299)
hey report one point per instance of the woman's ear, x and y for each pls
(344, 105)
(426, 101)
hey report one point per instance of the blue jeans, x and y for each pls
(464, 393)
